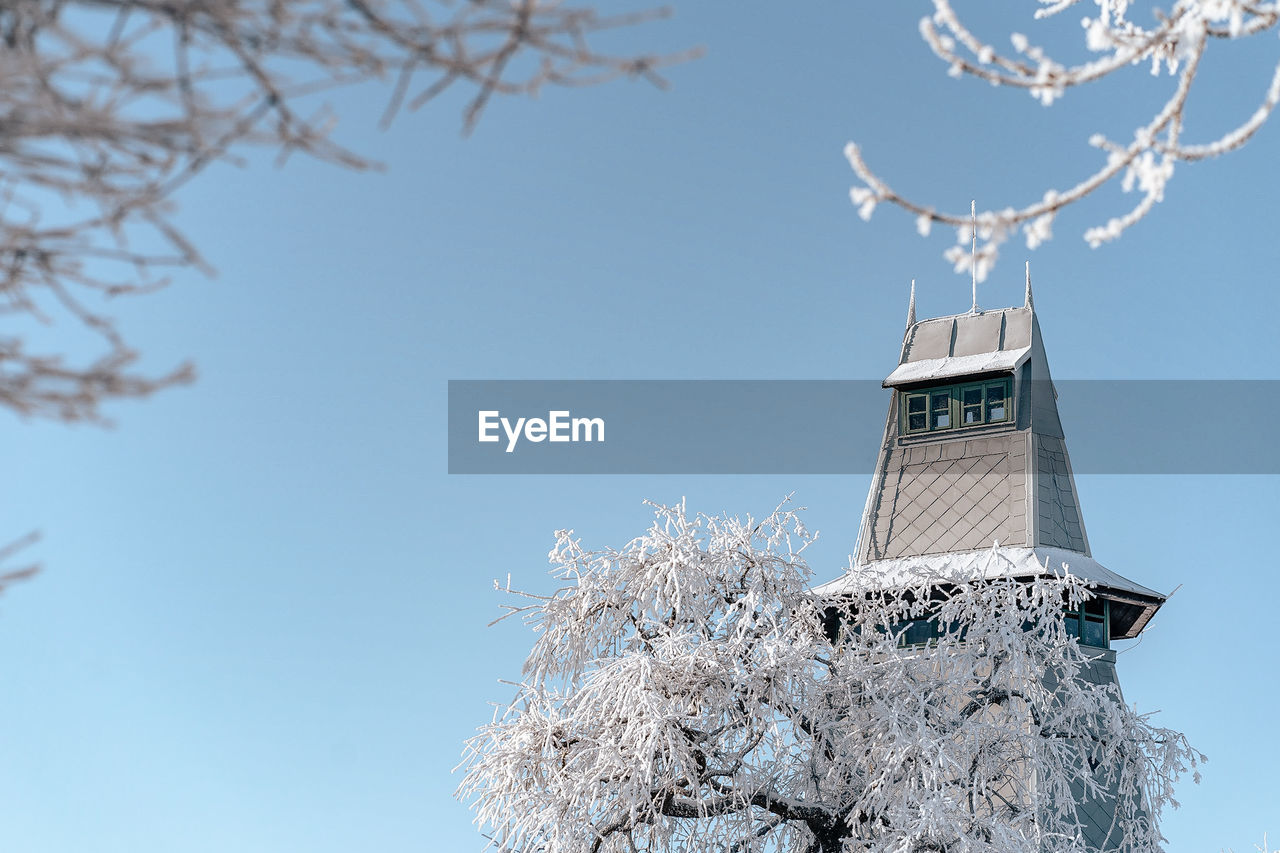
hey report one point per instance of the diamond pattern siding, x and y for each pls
(1060, 524)
(951, 496)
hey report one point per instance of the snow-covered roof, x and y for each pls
(964, 344)
(994, 562)
(1000, 562)
(947, 367)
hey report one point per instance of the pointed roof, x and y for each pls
(951, 494)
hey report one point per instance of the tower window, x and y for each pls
(939, 411)
(1090, 623)
(970, 404)
(917, 632)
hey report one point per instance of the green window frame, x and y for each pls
(1090, 623)
(946, 407)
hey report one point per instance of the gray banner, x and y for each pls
(834, 426)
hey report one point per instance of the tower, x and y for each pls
(973, 455)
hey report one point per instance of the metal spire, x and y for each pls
(911, 306)
(1027, 302)
(973, 253)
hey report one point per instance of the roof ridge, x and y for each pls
(980, 312)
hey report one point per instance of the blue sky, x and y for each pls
(261, 620)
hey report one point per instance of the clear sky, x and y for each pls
(261, 620)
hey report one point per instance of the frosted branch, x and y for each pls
(1176, 44)
(112, 105)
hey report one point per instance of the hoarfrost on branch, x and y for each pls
(110, 105)
(1175, 45)
(689, 692)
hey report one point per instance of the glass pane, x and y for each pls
(1095, 633)
(972, 396)
(915, 403)
(1095, 607)
(916, 422)
(972, 415)
(996, 409)
(1072, 622)
(941, 415)
(918, 632)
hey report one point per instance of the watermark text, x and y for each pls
(558, 426)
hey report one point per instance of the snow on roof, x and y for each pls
(929, 369)
(964, 344)
(994, 562)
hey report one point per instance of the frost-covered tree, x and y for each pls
(689, 692)
(1175, 41)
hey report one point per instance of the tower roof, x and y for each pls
(964, 345)
(974, 456)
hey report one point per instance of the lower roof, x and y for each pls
(1140, 602)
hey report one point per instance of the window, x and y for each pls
(970, 404)
(917, 632)
(1090, 623)
(910, 633)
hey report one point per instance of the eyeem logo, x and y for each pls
(558, 426)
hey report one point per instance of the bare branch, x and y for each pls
(107, 107)
(12, 575)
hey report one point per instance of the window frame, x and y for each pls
(1080, 616)
(956, 406)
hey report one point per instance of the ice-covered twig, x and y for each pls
(1177, 43)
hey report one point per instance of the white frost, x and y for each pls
(1175, 45)
(688, 691)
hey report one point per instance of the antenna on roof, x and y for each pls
(973, 253)
(911, 306)
(1027, 301)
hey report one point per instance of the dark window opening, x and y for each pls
(910, 632)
